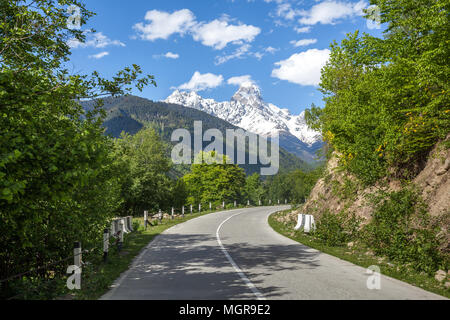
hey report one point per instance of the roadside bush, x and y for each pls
(400, 230)
(337, 229)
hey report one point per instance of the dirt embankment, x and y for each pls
(338, 190)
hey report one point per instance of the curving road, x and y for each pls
(236, 255)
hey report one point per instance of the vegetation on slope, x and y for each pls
(387, 101)
(386, 107)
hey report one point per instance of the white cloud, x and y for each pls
(200, 82)
(168, 55)
(271, 50)
(328, 12)
(94, 40)
(163, 24)
(303, 42)
(302, 68)
(286, 11)
(237, 54)
(241, 80)
(302, 30)
(218, 33)
(171, 55)
(99, 55)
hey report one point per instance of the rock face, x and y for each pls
(434, 180)
(440, 275)
(247, 110)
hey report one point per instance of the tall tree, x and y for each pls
(146, 184)
(215, 182)
(387, 99)
(57, 182)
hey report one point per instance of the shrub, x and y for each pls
(400, 230)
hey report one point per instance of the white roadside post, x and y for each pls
(307, 227)
(300, 222)
(122, 231)
(310, 224)
(145, 219)
(210, 206)
(191, 208)
(77, 258)
(113, 228)
(105, 244)
(270, 202)
(182, 211)
(235, 203)
(199, 207)
(278, 201)
(160, 215)
(248, 203)
(172, 212)
(125, 225)
(223, 204)
(130, 223)
(285, 201)
(259, 202)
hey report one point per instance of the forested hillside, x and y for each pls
(130, 114)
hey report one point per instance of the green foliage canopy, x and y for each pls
(387, 99)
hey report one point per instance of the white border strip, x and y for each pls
(241, 274)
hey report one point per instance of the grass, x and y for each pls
(98, 276)
(358, 255)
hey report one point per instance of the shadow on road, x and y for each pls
(180, 266)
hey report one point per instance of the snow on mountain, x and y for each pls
(247, 110)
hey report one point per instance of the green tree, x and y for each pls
(146, 183)
(387, 99)
(254, 188)
(214, 182)
(57, 181)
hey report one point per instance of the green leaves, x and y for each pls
(387, 99)
(143, 168)
(400, 230)
(58, 175)
(215, 182)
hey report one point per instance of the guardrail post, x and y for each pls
(122, 231)
(145, 219)
(113, 227)
(77, 258)
(105, 244)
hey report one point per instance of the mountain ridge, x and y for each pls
(247, 109)
(131, 113)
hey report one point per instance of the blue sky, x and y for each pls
(212, 46)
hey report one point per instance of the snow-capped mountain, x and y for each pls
(247, 110)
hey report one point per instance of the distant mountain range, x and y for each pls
(130, 114)
(247, 110)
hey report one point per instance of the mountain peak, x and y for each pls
(248, 111)
(248, 93)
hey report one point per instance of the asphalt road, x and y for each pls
(236, 255)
